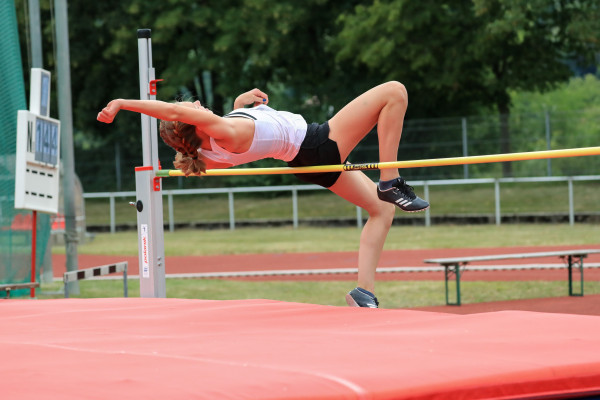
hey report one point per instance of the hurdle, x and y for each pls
(94, 272)
(149, 188)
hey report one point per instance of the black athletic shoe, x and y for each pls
(403, 196)
(357, 298)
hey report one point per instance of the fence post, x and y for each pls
(111, 200)
(231, 211)
(171, 212)
(497, 200)
(571, 205)
(427, 212)
(125, 290)
(359, 223)
(295, 207)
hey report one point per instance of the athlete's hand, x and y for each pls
(255, 97)
(109, 112)
(259, 97)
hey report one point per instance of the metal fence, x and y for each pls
(294, 189)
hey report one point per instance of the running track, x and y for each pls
(586, 305)
(391, 258)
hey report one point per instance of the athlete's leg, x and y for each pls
(385, 106)
(357, 188)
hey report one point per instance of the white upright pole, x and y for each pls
(144, 42)
(148, 187)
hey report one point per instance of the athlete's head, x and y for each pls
(183, 139)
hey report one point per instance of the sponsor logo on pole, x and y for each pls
(145, 256)
(361, 167)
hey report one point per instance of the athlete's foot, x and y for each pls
(359, 297)
(399, 193)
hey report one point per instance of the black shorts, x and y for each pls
(318, 149)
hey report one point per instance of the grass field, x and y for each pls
(327, 239)
(392, 294)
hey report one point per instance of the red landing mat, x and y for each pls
(259, 349)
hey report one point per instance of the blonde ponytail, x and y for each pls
(189, 165)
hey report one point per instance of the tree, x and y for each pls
(455, 56)
(425, 45)
(525, 45)
(467, 54)
(203, 49)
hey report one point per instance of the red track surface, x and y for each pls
(587, 305)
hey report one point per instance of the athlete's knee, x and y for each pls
(383, 211)
(396, 92)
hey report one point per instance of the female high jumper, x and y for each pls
(204, 140)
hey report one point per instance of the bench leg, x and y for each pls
(125, 283)
(449, 270)
(575, 263)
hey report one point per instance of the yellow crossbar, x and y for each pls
(532, 155)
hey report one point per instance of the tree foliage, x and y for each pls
(461, 55)
(425, 45)
(470, 51)
(456, 57)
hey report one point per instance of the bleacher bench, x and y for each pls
(572, 258)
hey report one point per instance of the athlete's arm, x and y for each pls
(218, 127)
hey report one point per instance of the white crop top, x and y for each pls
(277, 134)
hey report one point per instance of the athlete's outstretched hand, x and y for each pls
(109, 112)
(254, 96)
